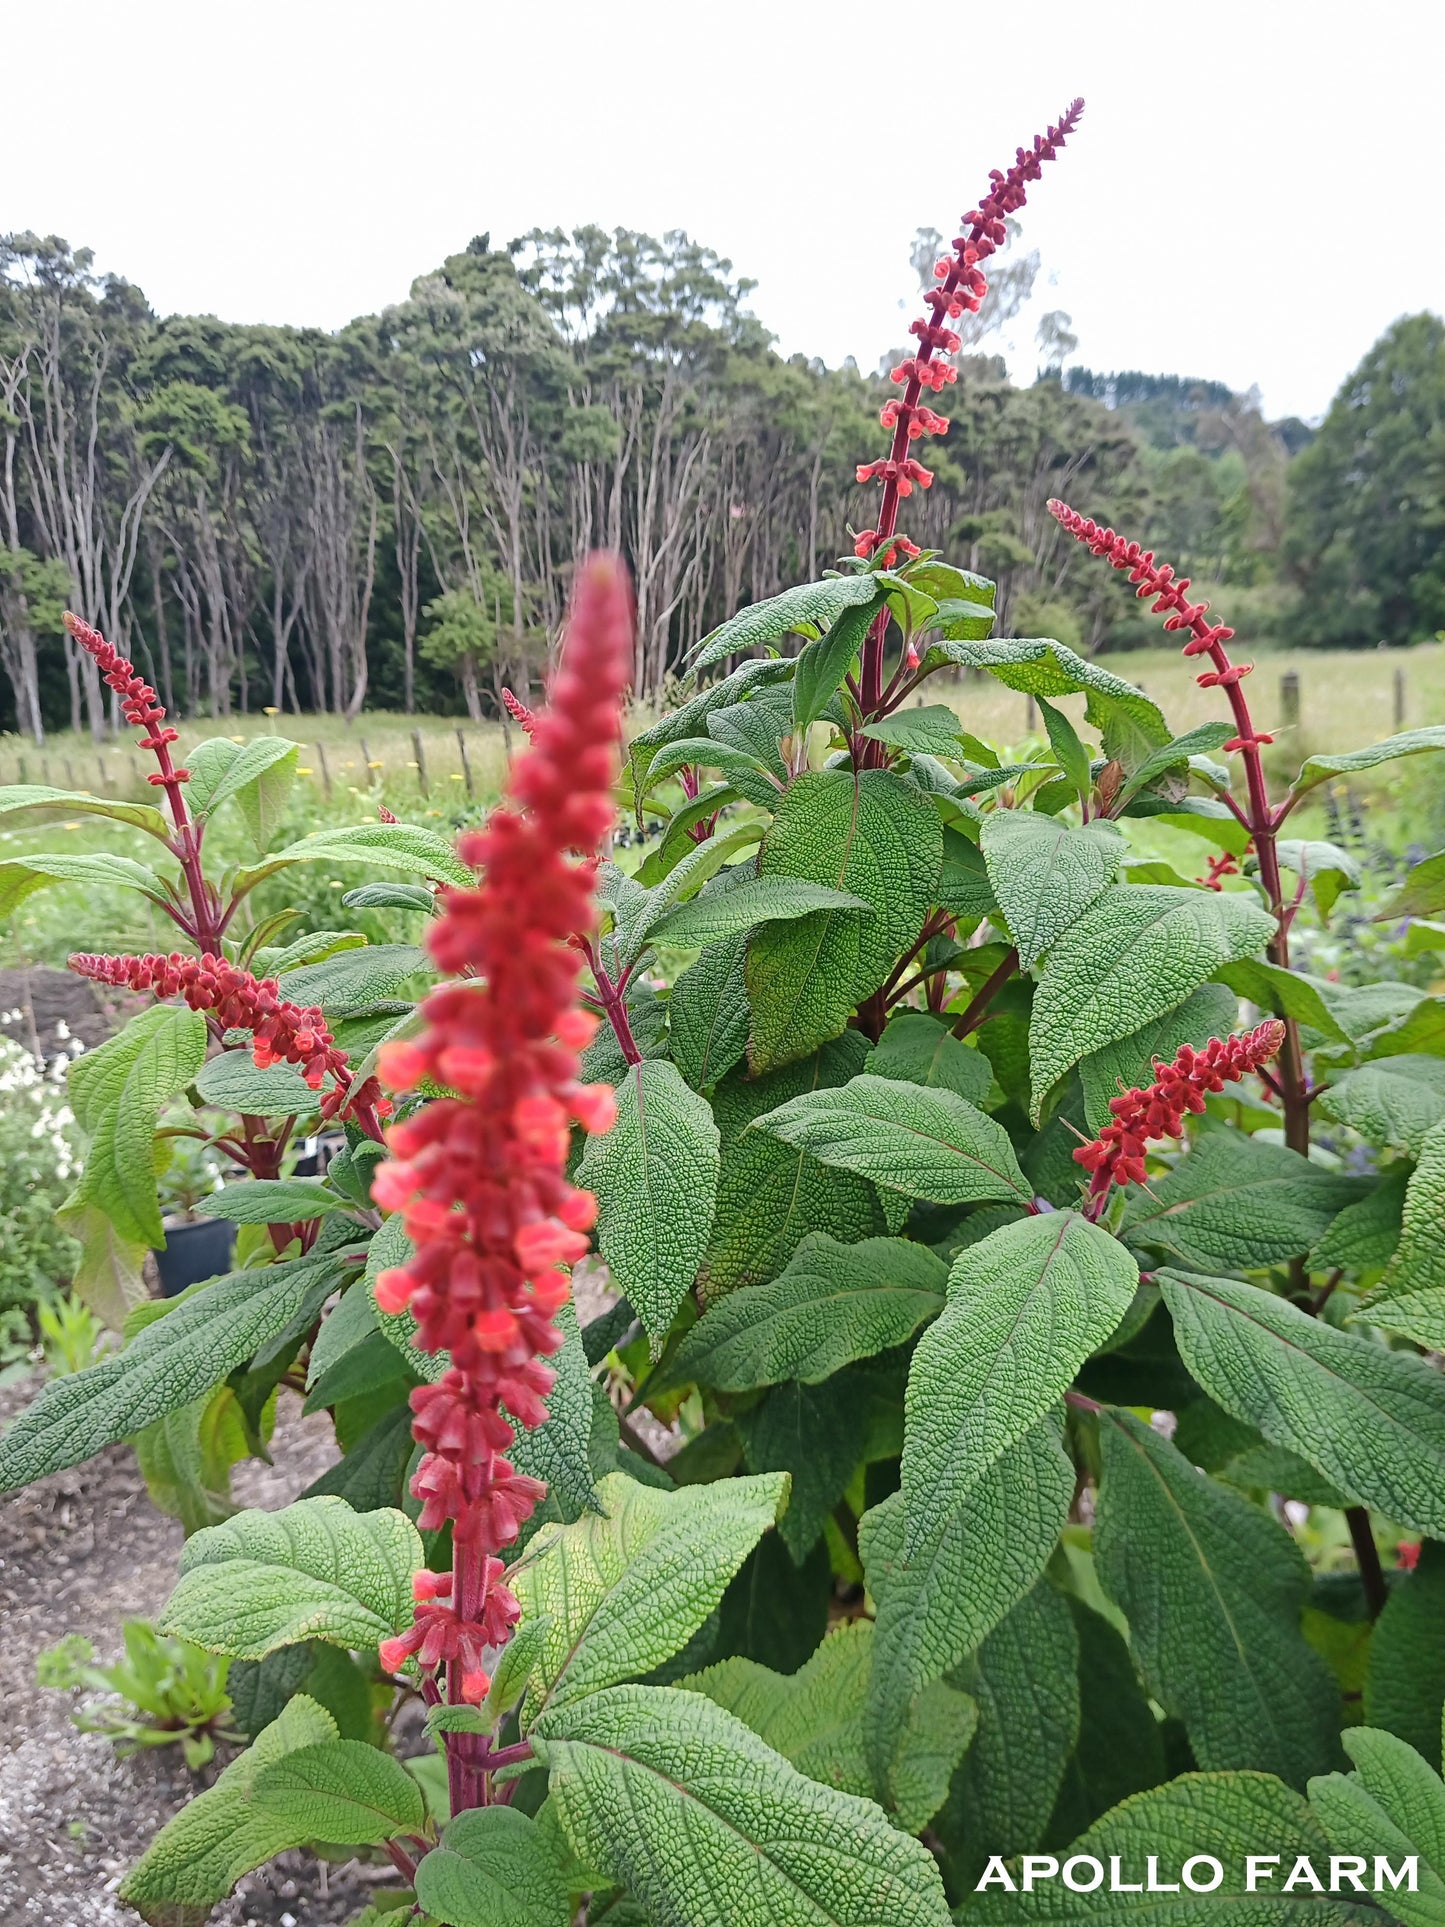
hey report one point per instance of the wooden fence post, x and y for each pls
(1289, 703)
(1399, 699)
(325, 771)
(420, 762)
(466, 761)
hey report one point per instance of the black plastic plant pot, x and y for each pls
(193, 1252)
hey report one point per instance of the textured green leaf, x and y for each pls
(1410, 1298)
(708, 1827)
(342, 1790)
(1393, 1102)
(812, 1434)
(494, 1868)
(1134, 955)
(1043, 667)
(117, 1092)
(169, 1364)
(258, 774)
(627, 1590)
(353, 979)
(691, 718)
(1328, 869)
(196, 1858)
(926, 1143)
(770, 1193)
(313, 948)
(810, 604)
(931, 730)
(22, 876)
(1422, 894)
(40, 796)
(1410, 743)
(1227, 1816)
(917, 1048)
(1129, 1061)
(1025, 1679)
(1175, 756)
(707, 919)
(1231, 1450)
(823, 665)
(559, 1451)
(875, 837)
(274, 1200)
(1392, 1804)
(1287, 993)
(1234, 1201)
(1370, 1421)
(233, 1082)
(373, 1470)
(1212, 1588)
(1026, 1306)
(656, 1178)
(316, 1570)
(938, 1603)
(832, 1303)
(708, 1013)
(1405, 1684)
(1363, 1236)
(964, 887)
(1045, 874)
(384, 846)
(109, 1274)
(814, 1718)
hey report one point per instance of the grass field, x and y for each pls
(1346, 699)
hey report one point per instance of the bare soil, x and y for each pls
(80, 1552)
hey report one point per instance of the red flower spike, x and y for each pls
(1116, 1155)
(281, 1032)
(961, 286)
(480, 1178)
(518, 711)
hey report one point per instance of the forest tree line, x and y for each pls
(281, 517)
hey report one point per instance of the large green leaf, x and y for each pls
(1422, 894)
(1393, 1102)
(1410, 1298)
(1234, 1201)
(344, 1790)
(40, 796)
(1223, 1816)
(1025, 1678)
(559, 1451)
(109, 1274)
(275, 1201)
(232, 1081)
(708, 1013)
(1212, 1588)
(1405, 1683)
(117, 1093)
(1410, 742)
(1045, 874)
(815, 1434)
(809, 605)
(656, 1178)
(1133, 725)
(1288, 993)
(933, 730)
(1229, 1449)
(691, 718)
(494, 1868)
(1370, 1421)
(627, 1590)
(770, 1193)
(873, 836)
(1175, 756)
(168, 1364)
(1393, 1804)
(315, 1570)
(937, 1603)
(1026, 1306)
(823, 665)
(925, 1143)
(707, 919)
(832, 1303)
(1135, 954)
(353, 979)
(708, 1827)
(22, 876)
(814, 1718)
(259, 776)
(196, 1858)
(384, 846)
(918, 1048)
(1129, 1061)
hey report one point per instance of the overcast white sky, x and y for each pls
(1254, 193)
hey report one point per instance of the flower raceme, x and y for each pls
(281, 1032)
(479, 1177)
(961, 286)
(139, 703)
(1116, 1155)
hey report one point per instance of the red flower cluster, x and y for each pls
(1116, 1155)
(281, 1032)
(480, 1177)
(961, 288)
(518, 711)
(1171, 600)
(139, 702)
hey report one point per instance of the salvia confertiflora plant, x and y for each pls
(1002, 1267)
